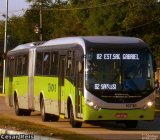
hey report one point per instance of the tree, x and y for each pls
(142, 20)
(139, 18)
(2, 24)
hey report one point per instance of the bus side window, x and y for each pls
(79, 74)
(19, 65)
(69, 67)
(54, 63)
(13, 65)
(70, 64)
(25, 65)
(46, 63)
(8, 61)
(39, 64)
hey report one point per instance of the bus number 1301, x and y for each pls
(51, 87)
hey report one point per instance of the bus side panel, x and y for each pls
(8, 82)
(9, 95)
(20, 86)
(7, 85)
(48, 86)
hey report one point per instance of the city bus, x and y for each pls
(83, 79)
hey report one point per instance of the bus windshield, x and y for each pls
(119, 71)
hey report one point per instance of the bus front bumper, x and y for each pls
(90, 114)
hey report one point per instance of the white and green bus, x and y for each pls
(94, 78)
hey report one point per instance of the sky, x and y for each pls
(15, 7)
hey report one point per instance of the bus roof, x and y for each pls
(83, 41)
(93, 39)
(97, 41)
(24, 47)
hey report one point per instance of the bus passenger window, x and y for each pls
(39, 63)
(70, 63)
(19, 65)
(54, 63)
(46, 64)
(149, 71)
(79, 75)
(25, 65)
(69, 68)
(8, 61)
(14, 65)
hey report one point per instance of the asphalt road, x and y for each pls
(109, 130)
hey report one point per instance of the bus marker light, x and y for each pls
(90, 103)
(97, 108)
(61, 116)
(121, 115)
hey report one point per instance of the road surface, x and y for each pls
(109, 130)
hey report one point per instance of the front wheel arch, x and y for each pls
(18, 111)
(44, 116)
(73, 122)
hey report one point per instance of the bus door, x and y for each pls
(79, 89)
(61, 92)
(11, 64)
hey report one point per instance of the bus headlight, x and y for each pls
(148, 105)
(92, 105)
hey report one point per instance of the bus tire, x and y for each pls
(26, 112)
(54, 118)
(131, 124)
(73, 122)
(18, 111)
(44, 116)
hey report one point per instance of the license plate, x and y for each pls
(121, 115)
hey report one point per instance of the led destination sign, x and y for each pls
(108, 56)
(115, 70)
(105, 86)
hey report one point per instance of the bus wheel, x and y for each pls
(54, 118)
(26, 112)
(131, 124)
(18, 111)
(45, 117)
(73, 122)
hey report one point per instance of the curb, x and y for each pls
(14, 135)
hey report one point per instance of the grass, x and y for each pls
(37, 129)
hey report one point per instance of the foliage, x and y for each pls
(139, 18)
